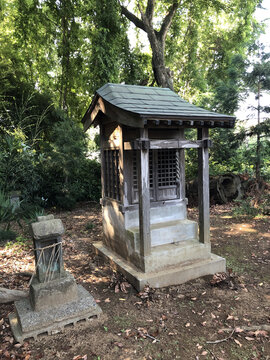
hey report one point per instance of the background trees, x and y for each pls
(55, 54)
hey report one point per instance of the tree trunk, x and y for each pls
(223, 189)
(8, 295)
(163, 75)
(258, 147)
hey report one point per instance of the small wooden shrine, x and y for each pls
(147, 235)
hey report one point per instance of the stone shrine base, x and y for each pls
(169, 275)
(27, 323)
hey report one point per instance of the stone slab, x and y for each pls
(162, 213)
(48, 229)
(45, 217)
(169, 232)
(173, 254)
(27, 323)
(172, 275)
(53, 293)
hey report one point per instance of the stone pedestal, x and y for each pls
(55, 300)
(44, 313)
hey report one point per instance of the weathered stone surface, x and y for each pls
(53, 293)
(27, 323)
(48, 229)
(45, 217)
(172, 275)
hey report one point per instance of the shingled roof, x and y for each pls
(153, 103)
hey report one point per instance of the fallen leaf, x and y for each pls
(120, 345)
(238, 330)
(261, 333)
(249, 338)
(238, 342)
(204, 353)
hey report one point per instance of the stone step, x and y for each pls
(168, 232)
(181, 252)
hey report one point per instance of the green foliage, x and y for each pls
(67, 175)
(245, 207)
(8, 211)
(7, 235)
(89, 226)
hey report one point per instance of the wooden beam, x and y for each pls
(168, 144)
(115, 114)
(144, 197)
(203, 189)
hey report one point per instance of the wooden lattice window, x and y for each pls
(166, 167)
(163, 175)
(111, 174)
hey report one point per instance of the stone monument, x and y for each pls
(55, 300)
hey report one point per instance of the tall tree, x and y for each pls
(156, 37)
(258, 81)
(194, 40)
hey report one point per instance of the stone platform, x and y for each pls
(26, 323)
(167, 275)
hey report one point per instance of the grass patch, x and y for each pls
(89, 226)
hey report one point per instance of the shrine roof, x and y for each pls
(153, 103)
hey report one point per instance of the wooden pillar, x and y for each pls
(203, 188)
(144, 195)
(182, 177)
(122, 170)
(102, 160)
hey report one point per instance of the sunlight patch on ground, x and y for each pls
(226, 217)
(241, 228)
(93, 279)
(266, 235)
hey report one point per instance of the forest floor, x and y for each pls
(175, 322)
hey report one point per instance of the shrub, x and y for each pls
(7, 235)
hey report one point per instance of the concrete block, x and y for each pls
(167, 232)
(45, 217)
(181, 252)
(48, 229)
(53, 293)
(173, 275)
(26, 323)
(162, 213)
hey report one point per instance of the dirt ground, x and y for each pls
(178, 322)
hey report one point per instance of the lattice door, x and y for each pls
(163, 175)
(166, 174)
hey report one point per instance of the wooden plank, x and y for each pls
(203, 189)
(144, 198)
(121, 116)
(175, 144)
(167, 144)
